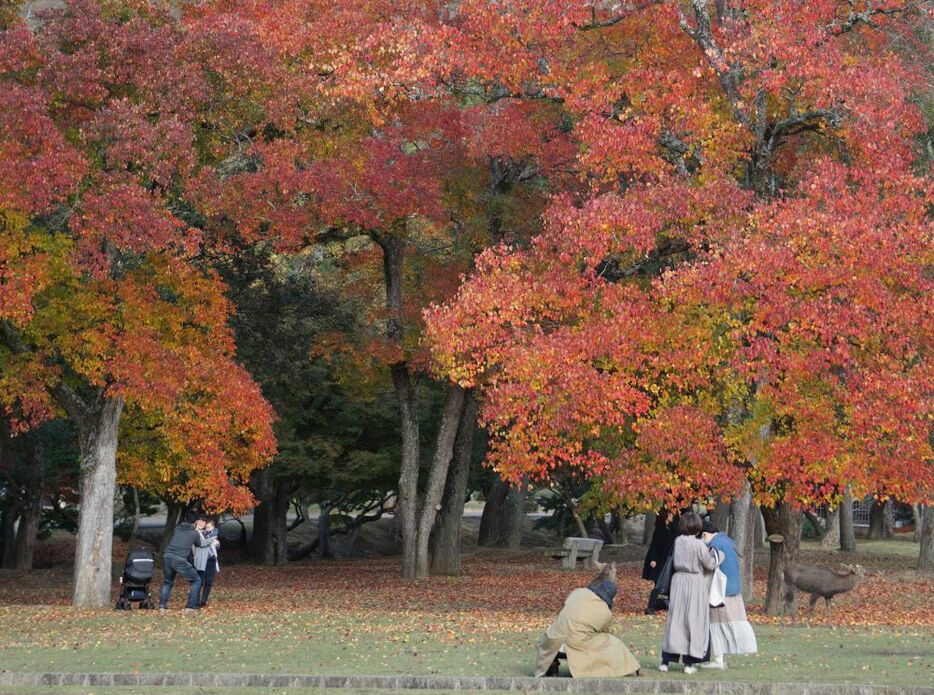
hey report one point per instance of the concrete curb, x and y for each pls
(454, 683)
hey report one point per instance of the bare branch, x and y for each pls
(729, 76)
(623, 11)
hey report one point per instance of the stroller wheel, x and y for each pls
(122, 605)
(146, 605)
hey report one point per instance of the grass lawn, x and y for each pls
(358, 617)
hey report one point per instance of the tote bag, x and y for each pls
(663, 583)
(718, 584)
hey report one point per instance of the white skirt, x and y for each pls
(730, 631)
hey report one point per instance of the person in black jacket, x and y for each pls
(663, 539)
(175, 561)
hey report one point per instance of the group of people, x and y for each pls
(706, 613)
(192, 553)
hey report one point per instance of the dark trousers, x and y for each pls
(656, 603)
(668, 657)
(207, 579)
(173, 565)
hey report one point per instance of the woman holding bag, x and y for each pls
(730, 631)
(687, 629)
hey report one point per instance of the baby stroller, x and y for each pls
(134, 582)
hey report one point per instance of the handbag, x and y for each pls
(718, 584)
(663, 583)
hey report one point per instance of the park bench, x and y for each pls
(574, 549)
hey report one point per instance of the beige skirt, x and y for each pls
(730, 631)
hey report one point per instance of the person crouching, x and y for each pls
(579, 631)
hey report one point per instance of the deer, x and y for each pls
(819, 582)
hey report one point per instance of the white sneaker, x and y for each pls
(714, 664)
(690, 670)
(663, 668)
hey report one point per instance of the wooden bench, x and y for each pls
(574, 549)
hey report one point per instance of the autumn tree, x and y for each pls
(734, 300)
(102, 309)
(380, 147)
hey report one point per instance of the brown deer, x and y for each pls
(818, 582)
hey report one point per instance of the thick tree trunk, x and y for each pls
(446, 537)
(407, 503)
(648, 527)
(27, 533)
(720, 515)
(578, 521)
(847, 530)
(744, 517)
(926, 553)
(280, 525)
(97, 435)
(324, 531)
(406, 515)
(493, 520)
(784, 527)
(268, 544)
(918, 515)
(31, 512)
(438, 475)
(10, 516)
(831, 535)
(503, 516)
(879, 526)
(516, 504)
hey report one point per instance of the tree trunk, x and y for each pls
(31, 512)
(446, 537)
(406, 515)
(780, 521)
(879, 527)
(9, 518)
(578, 521)
(926, 553)
(97, 436)
(831, 535)
(268, 545)
(502, 523)
(280, 524)
(720, 515)
(515, 503)
(407, 503)
(648, 528)
(173, 514)
(847, 530)
(136, 514)
(493, 520)
(260, 545)
(27, 533)
(744, 514)
(437, 476)
(324, 531)
(918, 514)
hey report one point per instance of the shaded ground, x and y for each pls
(358, 616)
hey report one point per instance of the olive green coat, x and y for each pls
(580, 628)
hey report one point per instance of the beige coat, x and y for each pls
(592, 652)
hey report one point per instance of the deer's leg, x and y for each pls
(811, 604)
(786, 604)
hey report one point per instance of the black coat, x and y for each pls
(663, 540)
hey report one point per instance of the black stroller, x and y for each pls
(134, 583)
